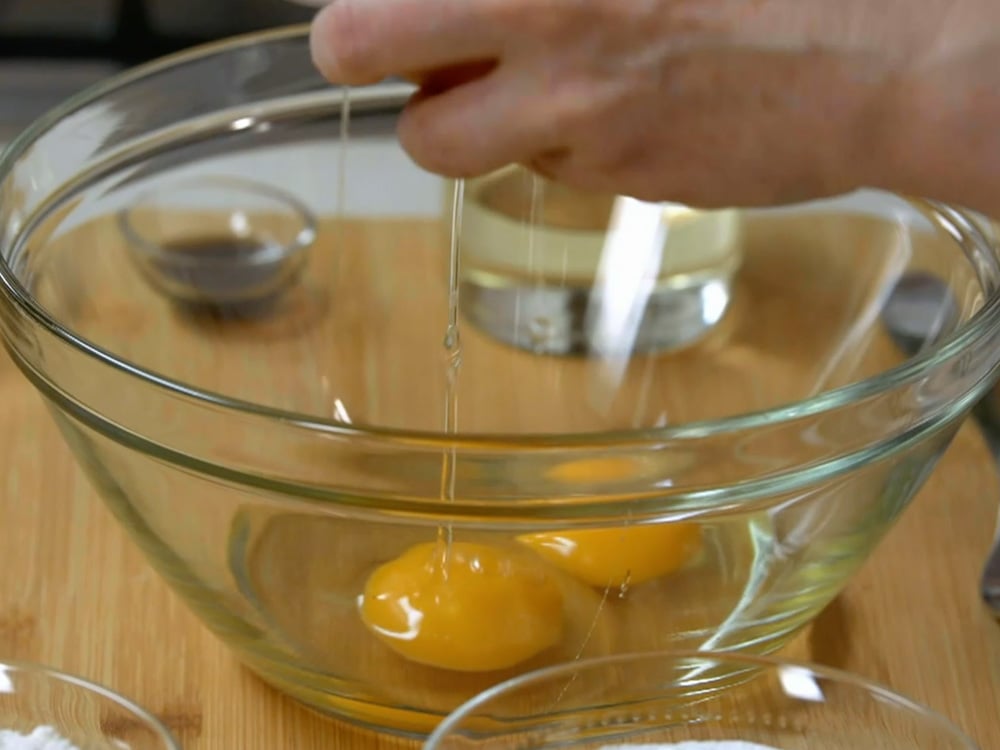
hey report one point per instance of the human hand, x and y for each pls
(706, 102)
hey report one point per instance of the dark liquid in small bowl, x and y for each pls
(221, 275)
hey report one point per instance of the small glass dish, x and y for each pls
(218, 241)
(64, 712)
(693, 701)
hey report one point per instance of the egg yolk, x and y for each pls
(463, 606)
(606, 469)
(627, 555)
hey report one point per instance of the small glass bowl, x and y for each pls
(72, 713)
(690, 701)
(218, 241)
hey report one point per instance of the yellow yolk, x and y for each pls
(607, 469)
(624, 555)
(465, 607)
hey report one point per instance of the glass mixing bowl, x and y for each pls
(609, 487)
(658, 700)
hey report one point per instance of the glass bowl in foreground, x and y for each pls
(664, 700)
(668, 429)
(40, 707)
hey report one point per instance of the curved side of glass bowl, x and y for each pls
(645, 692)
(130, 714)
(114, 400)
(860, 423)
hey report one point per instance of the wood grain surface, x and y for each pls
(76, 594)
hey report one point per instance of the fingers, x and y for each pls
(363, 41)
(477, 127)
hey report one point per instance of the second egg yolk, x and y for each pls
(627, 555)
(463, 606)
(607, 469)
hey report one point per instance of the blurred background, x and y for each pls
(50, 49)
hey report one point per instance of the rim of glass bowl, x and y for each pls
(959, 224)
(129, 706)
(871, 688)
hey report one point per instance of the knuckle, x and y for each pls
(551, 21)
(514, 14)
